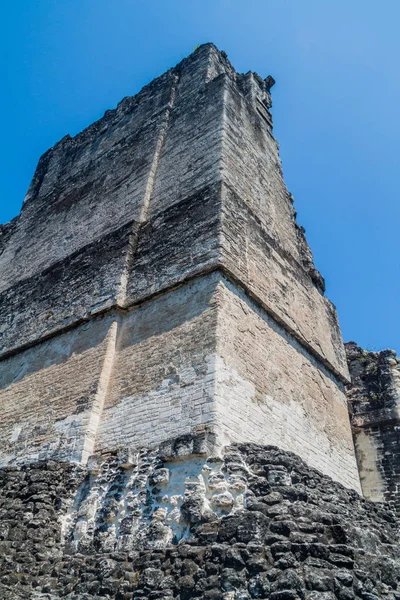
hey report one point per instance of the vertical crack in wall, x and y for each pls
(144, 212)
(101, 393)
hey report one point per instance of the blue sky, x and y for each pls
(336, 112)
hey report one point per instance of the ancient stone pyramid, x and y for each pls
(173, 416)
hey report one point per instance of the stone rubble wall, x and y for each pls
(181, 522)
(374, 397)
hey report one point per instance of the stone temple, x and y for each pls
(177, 415)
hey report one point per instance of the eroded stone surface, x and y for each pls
(374, 396)
(204, 354)
(160, 311)
(254, 522)
(144, 227)
(175, 181)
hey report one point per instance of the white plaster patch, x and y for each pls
(244, 417)
(122, 508)
(15, 433)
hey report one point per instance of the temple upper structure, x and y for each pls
(156, 284)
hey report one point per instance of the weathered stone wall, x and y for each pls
(247, 378)
(201, 354)
(158, 234)
(90, 194)
(270, 389)
(275, 278)
(51, 392)
(179, 523)
(195, 128)
(374, 396)
(84, 284)
(163, 383)
(89, 185)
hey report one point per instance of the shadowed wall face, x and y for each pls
(166, 233)
(48, 393)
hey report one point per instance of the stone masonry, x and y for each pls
(374, 396)
(173, 413)
(156, 282)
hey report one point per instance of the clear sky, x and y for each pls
(336, 112)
